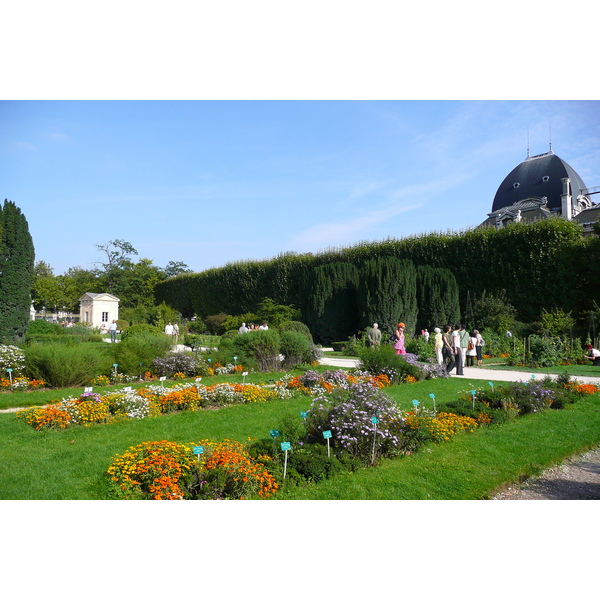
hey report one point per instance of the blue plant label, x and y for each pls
(432, 396)
(473, 392)
(235, 358)
(374, 420)
(416, 403)
(9, 370)
(198, 449)
(326, 434)
(304, 414)
(286, 446)
(115, 365)
(491, 383)
(274, 433)
(532, 376)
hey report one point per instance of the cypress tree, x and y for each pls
(330, 309)
(388, 294)
(16, 271)
(437, 298)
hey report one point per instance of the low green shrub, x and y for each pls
(61, 365)
(140, 348)
(139, 329)
(263, 346)
(384, 360)
(295, 349)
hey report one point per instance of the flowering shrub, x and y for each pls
(170, 471)
(312, 382)
(152, 470)
(47, 417)
(13, 358)
(227, 471)
(21, 383)
(348, 415)
(442, 426)
(100, 380)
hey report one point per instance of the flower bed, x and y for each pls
(170, 471)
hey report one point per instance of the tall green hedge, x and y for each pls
(540, 265)
(16, 271)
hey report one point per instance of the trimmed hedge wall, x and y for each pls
(545, 264)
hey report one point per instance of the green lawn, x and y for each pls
(70, 464)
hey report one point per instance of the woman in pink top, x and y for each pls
(399, 345)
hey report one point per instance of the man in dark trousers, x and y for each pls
(457, 349)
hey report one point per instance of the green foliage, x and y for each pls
(45, 327)
(387, 294)
(294, 347)
(437, 298)
(275, 314)
(196, 326)
(383, 359)
(16, 272)
(330, 310)
(61, 365)
(139, 348)
(262, 345)
(142, 329)
(555, 322)
(494, 313)
(215, 323)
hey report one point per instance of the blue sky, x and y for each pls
(210, 182)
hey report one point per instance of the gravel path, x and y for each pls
(576, 479)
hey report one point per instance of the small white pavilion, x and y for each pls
(98, 310)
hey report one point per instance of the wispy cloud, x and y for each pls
(23, 146)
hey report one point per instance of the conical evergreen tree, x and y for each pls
(437, 298)
(330, 308)
(388, 294)
(17, 257)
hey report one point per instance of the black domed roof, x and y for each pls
(537, 177)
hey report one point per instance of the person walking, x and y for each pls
(438, 345)
(169, 330)
(113, 331)
(464, 343)
(399, 344)
(457, 349)
(479, 347)
(243, 329)
(374, 335)
(472, 349)
(447, 350)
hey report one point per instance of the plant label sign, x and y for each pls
(432, 396)
(9, 370)
(326, 434)
(87, 390)
(416, 403)
(162, 379)
(127, 389)
(198, 379)
(198, 449)
(374, 420)
(274, 433)
(304, 414)
(285, 446)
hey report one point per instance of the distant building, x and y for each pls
(98, 310)
(540, 187)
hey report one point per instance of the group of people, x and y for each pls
(253, 327)
(454, 347)
(457, 348)
(172, 330)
